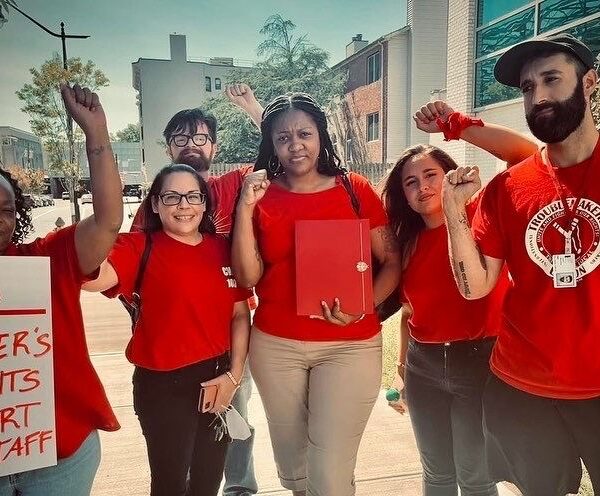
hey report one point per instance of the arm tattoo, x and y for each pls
(390, 243)
(96, 151)
(463, 278)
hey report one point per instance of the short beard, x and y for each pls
(199, 162)
(567, 117)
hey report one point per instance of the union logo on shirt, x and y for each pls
(228, 273)
(550, 232)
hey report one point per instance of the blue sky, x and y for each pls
(123, 31)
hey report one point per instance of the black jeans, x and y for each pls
(444, 387)
(179, 439)
(538, 443)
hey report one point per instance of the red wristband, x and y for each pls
(457, 122)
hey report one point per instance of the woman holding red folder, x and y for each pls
(445, 340)
(305, 368)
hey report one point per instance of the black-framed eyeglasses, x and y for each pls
(199, 139)
(171, 198)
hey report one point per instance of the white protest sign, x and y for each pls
(27, 430)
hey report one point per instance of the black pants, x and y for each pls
(444, 386)
(537, 443)
(179, 439)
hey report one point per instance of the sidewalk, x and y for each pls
(388, 462)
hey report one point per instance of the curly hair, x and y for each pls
(328, 161)
(23, 223)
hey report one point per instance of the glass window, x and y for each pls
(373, 68)
(589, 33)
(505, 33)
(373, 127)
(557, 13)
(488, 10)
(487, 89)
(207, 84)
(217, 83)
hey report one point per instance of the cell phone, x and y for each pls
(208, 397)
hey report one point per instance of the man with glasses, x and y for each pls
(191, 138)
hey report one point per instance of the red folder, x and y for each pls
(333, 259)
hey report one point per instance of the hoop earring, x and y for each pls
(278, 167)
(326, 161)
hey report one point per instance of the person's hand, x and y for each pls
(460, 185)
(84, 106)
(399, 405)
(225, 391)
(335, 314)
(425, 119)
(241, 95)
(254, 188)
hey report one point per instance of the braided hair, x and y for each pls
(23, 223)
(328, 162)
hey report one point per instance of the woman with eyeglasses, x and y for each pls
(192, 331)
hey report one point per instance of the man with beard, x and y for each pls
(191, 138)
(542, 217)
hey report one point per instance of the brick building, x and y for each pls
(388, 81)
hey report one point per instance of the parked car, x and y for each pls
(37, 201)
(49, 200)
(86, 198)
(65, 195)
(29, 203)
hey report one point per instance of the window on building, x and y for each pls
(503, 24)
(374, 68)
(488, 10)
(217, 83)
(348, 154)
(373, 127)
(207, 84)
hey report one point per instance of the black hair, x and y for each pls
(328, 161)
(187, 119)
(23, 223)
(152, 219)
(404, 222)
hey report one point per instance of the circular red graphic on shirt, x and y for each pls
(550, 232)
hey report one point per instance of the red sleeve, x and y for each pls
(125, 258)
(242, 294)
(371, 206)
(60, 247)
(485, 221)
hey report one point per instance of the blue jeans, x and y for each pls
(73, 476)
(239, 464)
(444, 388)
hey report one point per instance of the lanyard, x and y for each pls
(569, 212)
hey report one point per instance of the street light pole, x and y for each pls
(75, 213)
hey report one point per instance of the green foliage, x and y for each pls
(48, 117)
(129, 134)
(289, 63)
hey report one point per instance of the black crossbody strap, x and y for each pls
(142, 267)
(350, 190)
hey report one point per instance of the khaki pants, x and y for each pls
(317, 397)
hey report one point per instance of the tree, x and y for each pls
(129, 134)
(48, 117)
(30, 180)
(289, 63)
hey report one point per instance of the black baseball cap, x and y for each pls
(509, 65)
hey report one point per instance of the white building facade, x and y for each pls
(167, 86)
(479, 31)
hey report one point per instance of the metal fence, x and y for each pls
(373, 172)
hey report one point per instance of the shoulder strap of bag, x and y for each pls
(350, 190)
(142, 267)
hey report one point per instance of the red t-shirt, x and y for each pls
(440, 313)
(187, 294)
(80, 401)
(224, 192)
(274, 220)
(549, 343)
